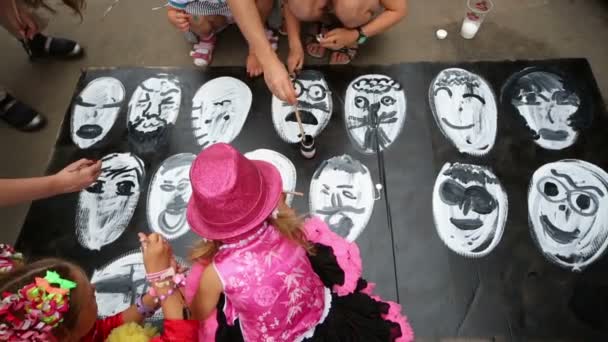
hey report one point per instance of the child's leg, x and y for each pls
(254, 68)
(205, 27)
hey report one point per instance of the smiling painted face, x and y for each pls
(375, 108)
(95, 110)
(219, 110)
(105, 208)
(542, 99)
(314, 105)
(469, 208)
(568, 211)
(153, 110)
(464, 108)
(342, 194)
(168, 196)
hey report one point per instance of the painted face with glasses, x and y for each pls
(95, 110)
(568, 210)
(314, 106)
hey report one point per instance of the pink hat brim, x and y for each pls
(274, 189)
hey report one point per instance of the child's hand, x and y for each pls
(158, 254)
(295, 60)
(179, 19)
(339, 38)
(77, 176)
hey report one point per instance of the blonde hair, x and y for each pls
(287, 223)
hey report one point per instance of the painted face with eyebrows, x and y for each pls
(464, 107)
(105, 208)
(168, 196)
(220, 109)
(95, 110)
(469, 208)
(342, 193)
(568, 211)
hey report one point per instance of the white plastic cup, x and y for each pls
(474, 17)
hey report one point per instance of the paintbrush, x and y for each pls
(299, 119)
(295, 193)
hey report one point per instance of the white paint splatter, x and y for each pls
(374, 111)
(105, 208)
(168, 196)
(464, 107)
(342, 194)
(283, 164)
(95, 111)
(314, 104)
(219, 110)
(568, 212)
(470, 209)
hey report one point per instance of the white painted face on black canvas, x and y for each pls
(314, 104)
(168, 196)
(342, 194)
(568, 212)
(105, 208)
(153, 110)
(95, 110)
(374, 110)
(470, 209)
(464, 107)
(547, 106)
(283, 164)
(219, 110)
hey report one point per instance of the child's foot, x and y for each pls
(313, 48)
(343, 56)
(254, 68)
(42, 46)
(202, 53)
(20, 115)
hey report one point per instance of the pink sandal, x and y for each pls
(202, 52)
(272, 39)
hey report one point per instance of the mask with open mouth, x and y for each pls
(568, 212)
(464, 107)
(342, 194)
(314, 104)
(469, 208)
(550, 106)
(168, 196)
(95, 111)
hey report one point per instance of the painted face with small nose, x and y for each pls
(154, 104)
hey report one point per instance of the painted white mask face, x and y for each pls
(95, 110)
(547, 107)
(168, 196)
(464, 107)
(153, 110)
(342, 194)
(314, 104)
(470, 209)
(283, 164)
(374, 110)
(105, 208)
(568, 212)
(219, 110)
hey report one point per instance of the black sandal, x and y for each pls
(42, 46)
(350, 52)
(20, 115)
(312, 39)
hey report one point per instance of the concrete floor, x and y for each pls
(134, 35)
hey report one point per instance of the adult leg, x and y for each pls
(254, 68)
(18, 114)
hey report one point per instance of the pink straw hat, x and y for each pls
(231, 195)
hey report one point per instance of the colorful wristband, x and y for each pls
(142, 309)
(162, 275)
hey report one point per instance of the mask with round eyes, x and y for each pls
(314, 105)
(550, 111)
(470, 209)
(568, 212)
(464, 107)
(95, 111)
(219, 110)
(105, 208)
(374, 112)
(342, 194)
(168, 196)
(153, 111)
(283, 164)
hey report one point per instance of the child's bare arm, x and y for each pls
(394, 11)
(208, 294)
(295, 60)
(178, 18)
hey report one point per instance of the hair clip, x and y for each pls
(53, 277)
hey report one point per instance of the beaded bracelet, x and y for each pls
(142, 309)
(162, 275)
(179, 280)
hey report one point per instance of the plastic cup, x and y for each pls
(474, 17)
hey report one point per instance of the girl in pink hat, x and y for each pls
(262, 273)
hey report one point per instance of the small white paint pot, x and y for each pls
(307, 147)
(474, 17)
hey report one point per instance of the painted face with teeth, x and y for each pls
(464, 107)
(314, 106)
(470, 209)
(568, 211)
